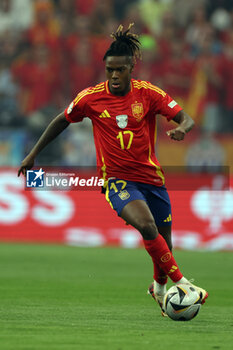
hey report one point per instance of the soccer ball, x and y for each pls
(182, 302)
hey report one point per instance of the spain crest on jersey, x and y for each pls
(122, 120)
(137, 111)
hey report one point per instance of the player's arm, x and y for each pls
(56, 126)
(185, 122)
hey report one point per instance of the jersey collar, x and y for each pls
(108, 91)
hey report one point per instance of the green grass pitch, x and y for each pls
(65, 298)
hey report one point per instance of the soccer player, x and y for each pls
(123, 113)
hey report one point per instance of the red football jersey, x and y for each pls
(125, 129)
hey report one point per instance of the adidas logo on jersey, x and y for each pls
(168, 219)
(105, 114)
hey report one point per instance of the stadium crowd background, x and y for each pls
(52, 49)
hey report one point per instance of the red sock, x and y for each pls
(159, 275)
(162, 256)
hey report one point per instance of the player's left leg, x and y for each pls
(159, 203)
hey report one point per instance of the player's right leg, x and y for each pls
(131, 206)
(127, 198)
(160, 206)
(138, 214)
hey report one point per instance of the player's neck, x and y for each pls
(121, 93)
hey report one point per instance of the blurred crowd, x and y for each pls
(52, 49)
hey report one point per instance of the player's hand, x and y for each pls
(26, 164)
(177, 133)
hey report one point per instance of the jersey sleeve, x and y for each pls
(162, 103)
(77, 110)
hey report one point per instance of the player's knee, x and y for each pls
(148, 229)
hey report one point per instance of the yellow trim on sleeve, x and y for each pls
(97, 88)
(146, 85)
(103, 168)
(107, 195)
(158, 169)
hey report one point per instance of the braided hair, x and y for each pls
(124, 44)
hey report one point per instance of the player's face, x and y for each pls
(118, 72)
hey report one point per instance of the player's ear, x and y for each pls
(131, 67)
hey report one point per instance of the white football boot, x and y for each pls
(158, 298)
